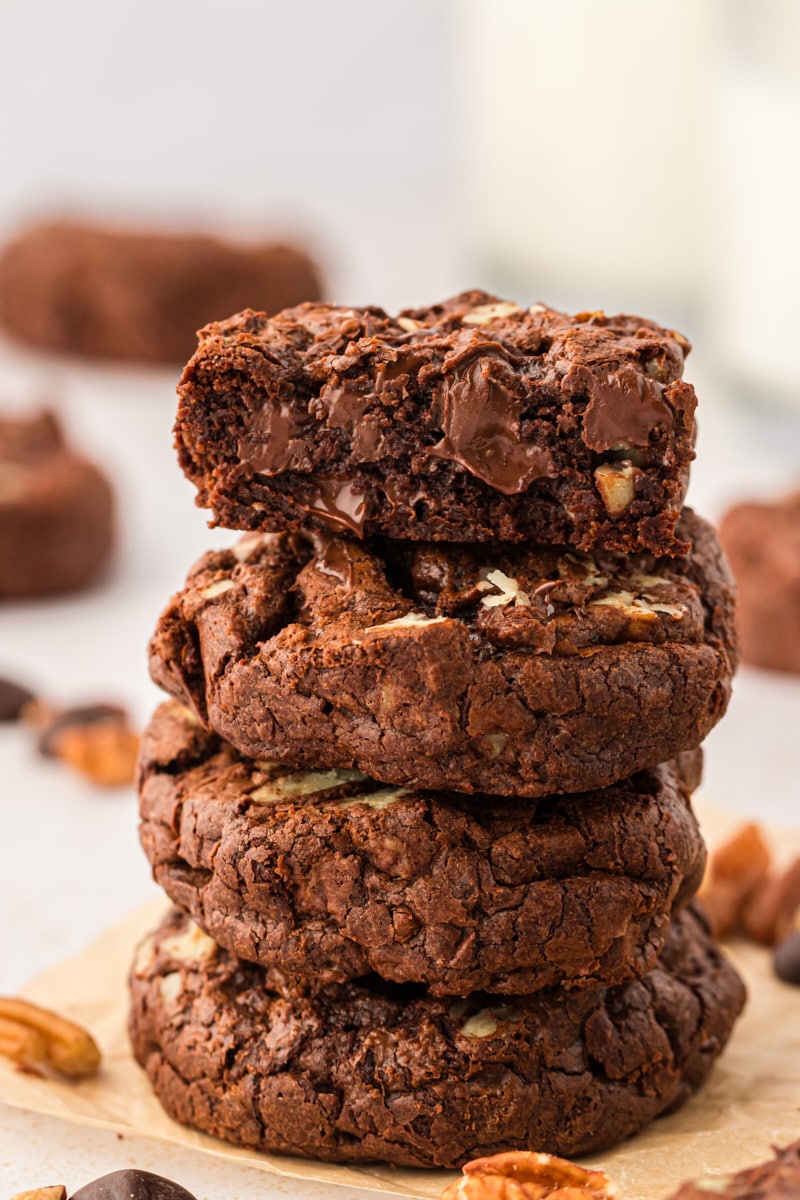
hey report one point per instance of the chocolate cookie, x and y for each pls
(123, 294)
(514, 669)
(369, 1070)
(762, 541)
(331, 875)
(471, 420)
(778, 1179)
(56, 511)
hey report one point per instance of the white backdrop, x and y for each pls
(335, 119)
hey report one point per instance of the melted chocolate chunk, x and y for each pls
(340, 502)
(624, 406)
(346, 408)
(334, 557)
(275, 439)
(480, 418)
(13, 699)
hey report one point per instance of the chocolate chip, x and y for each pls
(132, 1185)
(787, 959)
(13, 698)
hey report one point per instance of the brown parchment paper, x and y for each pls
(751, 1102)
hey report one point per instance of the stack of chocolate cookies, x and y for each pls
(422, 790)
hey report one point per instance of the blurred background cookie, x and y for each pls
(56, 510)
(762, 541)
(134, 295)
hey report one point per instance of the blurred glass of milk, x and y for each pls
(585, 127)
(754, 281)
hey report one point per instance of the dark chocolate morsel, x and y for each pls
(787, 959)
(13, 698)
(132, 1185)
(777, 1179)
(279, 433)
(339, 503)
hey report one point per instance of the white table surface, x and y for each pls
(70, 863)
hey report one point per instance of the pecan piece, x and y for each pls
(616, 483)
(41, 1040)
(770, 912)
(736, 870)
(526, 1175)
(56, 1192)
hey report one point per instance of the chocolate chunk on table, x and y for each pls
(777, 1179)
(132, 1184)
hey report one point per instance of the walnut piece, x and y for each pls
(408, 324)
(615, 483)
(485, 313)
(218, 588)
(191, 946)
(525, 1175)
(41, 1040)
(508, 590)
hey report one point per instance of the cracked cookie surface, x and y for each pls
(367, 1070)
(330, 875)
(515, 669)
(469, 420)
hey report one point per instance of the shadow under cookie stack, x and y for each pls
(421, 791)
